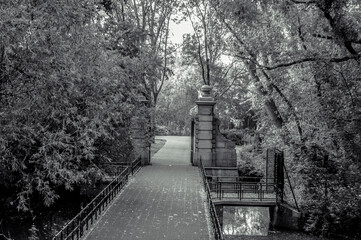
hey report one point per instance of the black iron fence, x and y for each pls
(192, 141)
(76, 227)
(135, 165)
(242, 188)
(118, 167)
(212, 209)
(286, 191)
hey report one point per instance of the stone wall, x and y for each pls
(287, 217)
(226, 154)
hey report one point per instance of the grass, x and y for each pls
(157, 145)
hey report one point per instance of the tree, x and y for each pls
(303, 59)
(151, 18)
(206, 44)
(64, 86)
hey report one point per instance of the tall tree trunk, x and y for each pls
(270, 104)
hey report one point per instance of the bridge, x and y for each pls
(165, 200)
(171, 199)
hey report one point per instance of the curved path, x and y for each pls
(163, 201)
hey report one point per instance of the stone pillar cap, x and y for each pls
(206, 91)
(206, 94)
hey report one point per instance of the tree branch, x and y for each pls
(7, 238)
(303, 2)
(322, 36)
(199, 46)
(231, 84)
(312, 59)
(288, 102)
(300, 34)
(165, 59)
(347, 87)
(317, 35)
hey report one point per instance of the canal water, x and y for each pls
(245, 223)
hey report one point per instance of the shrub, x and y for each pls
(234, 135)
(162, 130)
(248, 170)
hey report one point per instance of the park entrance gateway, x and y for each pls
(244, 205)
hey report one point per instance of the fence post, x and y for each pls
(192, 141)
(79, 234)
(131, 167)
(289, 182)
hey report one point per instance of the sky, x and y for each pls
(177, 31)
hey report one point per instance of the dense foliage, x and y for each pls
(61, 91)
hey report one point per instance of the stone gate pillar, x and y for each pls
(205, 128)
(210, 145)
(140, 126)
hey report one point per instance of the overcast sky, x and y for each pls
(177, 31)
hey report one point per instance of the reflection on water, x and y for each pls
(252, 221)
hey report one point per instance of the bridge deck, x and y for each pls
(247, 197)
(236, 202)
(163, 201)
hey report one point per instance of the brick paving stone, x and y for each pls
(163, 201)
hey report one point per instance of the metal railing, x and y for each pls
(76, 227)
(135, 165)
(120, 166)
(218, 234)
(289, 185)
(242, 188)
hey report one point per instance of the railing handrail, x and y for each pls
(244, 183)
(121, 163)
(290, 185)
(221, 168)
(94, 204)
(240, 177)
(216, 224)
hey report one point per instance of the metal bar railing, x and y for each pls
(218, 234)
(290, 185)
(136, 165)
(239, 177)
(76, 227)
(242, 187)
(133, 166)
(243, 190)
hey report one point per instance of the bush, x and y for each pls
(234, 135)
(248, 170)
(162, 131)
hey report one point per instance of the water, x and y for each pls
(246, 221)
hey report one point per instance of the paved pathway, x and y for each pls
(163, 201)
